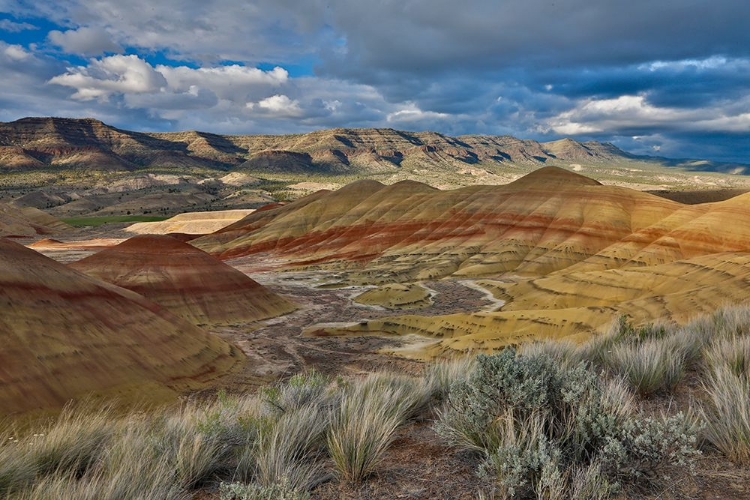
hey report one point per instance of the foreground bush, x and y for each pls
(534, 421)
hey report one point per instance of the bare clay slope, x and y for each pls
(185, 280)
(65, 335)
(546, 221)
(566, 254)
(28, 221)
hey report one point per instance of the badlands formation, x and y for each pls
(66, 335)
(564, 253)
(403, 269)
(185, 280)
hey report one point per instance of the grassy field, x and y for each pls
(101, 220)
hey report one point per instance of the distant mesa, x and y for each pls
(185, 280)
(66, 335)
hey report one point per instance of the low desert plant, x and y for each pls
(649, 366)
(287, 449)
(364, 424)
(546, 430)
(726, 412)
(299, 391)
(440, 375)
(279, 491)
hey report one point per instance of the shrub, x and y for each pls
(564, 352)
(299, 391)
(534, 420)
(279, 491)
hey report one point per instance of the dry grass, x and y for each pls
(294, 435)
(365, 422)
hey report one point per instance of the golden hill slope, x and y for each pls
(568, 254)
(65, 335)
(190, 222)
(185, 280)
(574, 305)
(28, 221)
(546, 221)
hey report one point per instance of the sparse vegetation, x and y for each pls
(547, 421)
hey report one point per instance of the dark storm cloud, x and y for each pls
(440, 35)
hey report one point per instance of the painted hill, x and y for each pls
(565, 253)
(32, 143)
(28, 221)
(545, 221)
(66, 335)
(185, 280)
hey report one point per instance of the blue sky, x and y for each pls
(666, 77)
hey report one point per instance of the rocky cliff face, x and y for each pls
(48, 142)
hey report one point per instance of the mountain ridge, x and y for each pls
(48, 142)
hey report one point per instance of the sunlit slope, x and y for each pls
(544, 222)
(65, 335)
(28, 221)
(185, 280)
(190, 223)
(575, 305)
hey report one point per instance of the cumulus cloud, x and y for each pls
(234, 82)
(634, 115)
(278, 105)
(84, 41)
(111, 75)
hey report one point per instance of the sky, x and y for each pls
(661, 77)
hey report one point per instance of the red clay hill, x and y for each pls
(185, 280)
(64, 335)
(543, 222)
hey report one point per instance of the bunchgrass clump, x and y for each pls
(726, 408)
(440, 375)
(367, 417)
(649, 366)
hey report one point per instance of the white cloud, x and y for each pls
(235, 82)
(111, 75)
(411, 113)
(15, 52)
(84, 41)
(278, 105)
(630, 112)
(14, 27)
